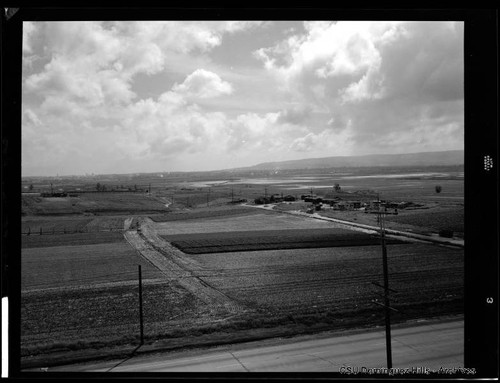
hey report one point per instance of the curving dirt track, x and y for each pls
(174, 265)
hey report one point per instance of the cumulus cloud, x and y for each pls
(295, 115)
(203, 84)
(380, 76)
(97, 62)
(83, 88)
(328, 88)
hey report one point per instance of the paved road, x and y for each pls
(431, 345)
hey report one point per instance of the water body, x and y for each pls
(304, 181)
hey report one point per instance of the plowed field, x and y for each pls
(336, 279)
(271, 240)
(80, 291)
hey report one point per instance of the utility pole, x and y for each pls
(386, 293)
(141, 319)
(381, 219)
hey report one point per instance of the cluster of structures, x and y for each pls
(274, 198)
(336, 203)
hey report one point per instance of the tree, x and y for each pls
(438, 188)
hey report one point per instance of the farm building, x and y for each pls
(346, 205)
(308, 197)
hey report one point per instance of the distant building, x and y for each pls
(313, 198)
(308, 197)
(331, 201)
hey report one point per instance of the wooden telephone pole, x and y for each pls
(141, 317)
(381, 213)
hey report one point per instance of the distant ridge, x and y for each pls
(444, 158)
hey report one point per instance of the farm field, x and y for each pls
(215, 269)
(96, 203)
(271, 240)
(423, 221)
(203, 212)
(79, 259)
(85, 297)
(99, 317)
(35, 225)
(336, 281)
(435, 219)
(81, 291)
(260, 220)
(73, 239)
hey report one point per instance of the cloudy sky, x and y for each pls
(126, 97)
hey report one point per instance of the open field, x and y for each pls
(72, 224)
(301, 288)
(95, 203)
(83, 295)
(336, 281)
(423, 221)
(73, 239)
(82, 292)
(435, 219)
(102, 316)
(225, 271)
(271, 240)
(261, 220)
(211, 212)
(79, 259)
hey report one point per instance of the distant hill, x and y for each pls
(446, 158)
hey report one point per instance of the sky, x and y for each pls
(160, 96)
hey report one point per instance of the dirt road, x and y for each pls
(174, 265)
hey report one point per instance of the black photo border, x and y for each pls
(481, 140)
